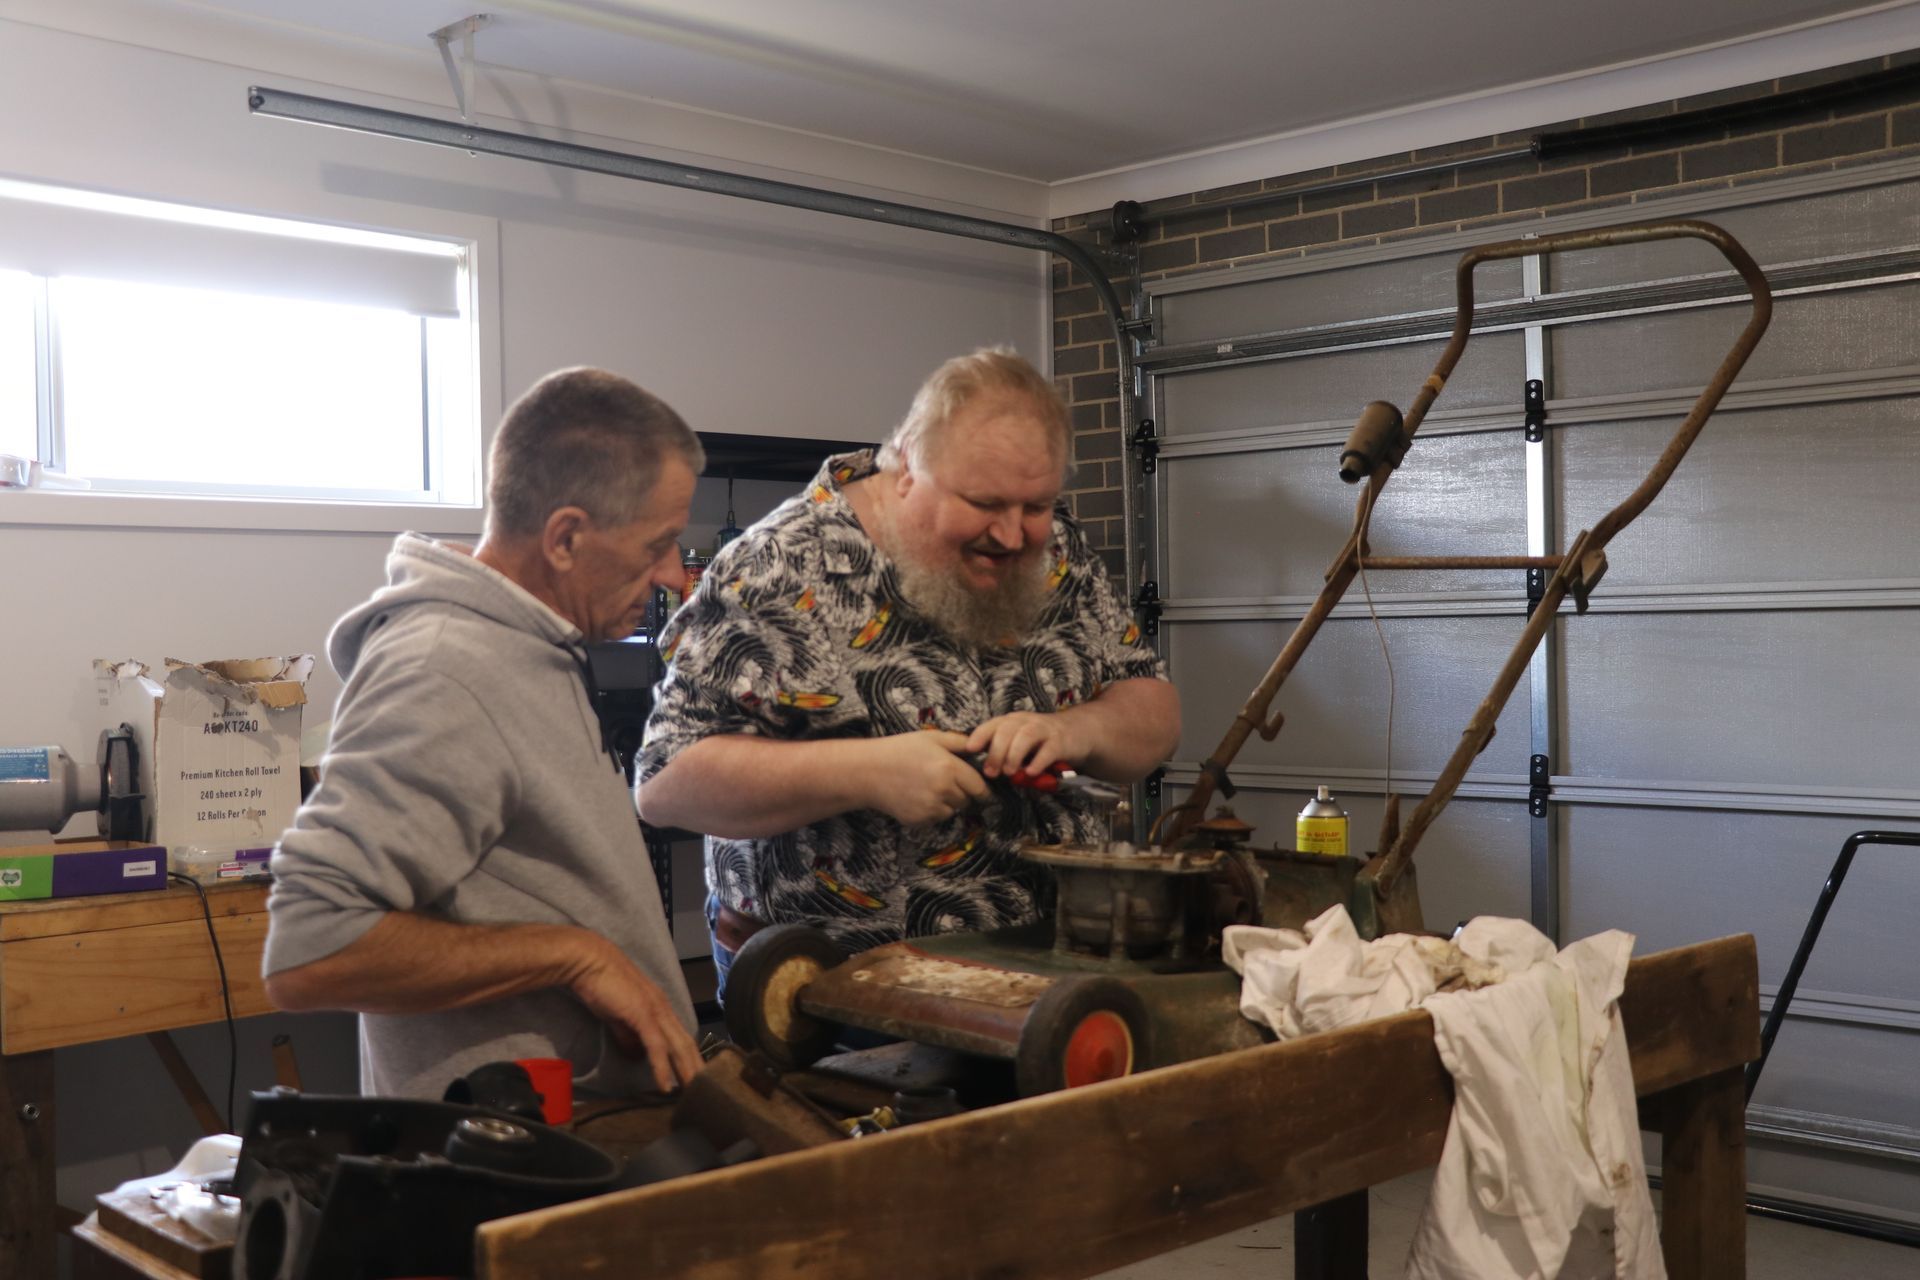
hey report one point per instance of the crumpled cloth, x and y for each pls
(177, 1192)
(1541, 1176)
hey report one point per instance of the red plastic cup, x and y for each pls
(553, 1081)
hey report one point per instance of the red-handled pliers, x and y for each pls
(1058, 779)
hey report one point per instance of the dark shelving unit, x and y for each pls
(626, 671)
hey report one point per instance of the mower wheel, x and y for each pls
(762, 1007)
(1081, 1031)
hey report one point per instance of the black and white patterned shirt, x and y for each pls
(797, 631)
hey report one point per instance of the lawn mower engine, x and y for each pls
(1115, 901)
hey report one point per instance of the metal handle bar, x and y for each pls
(1791, 983)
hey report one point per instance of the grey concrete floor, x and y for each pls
(1775, 1250)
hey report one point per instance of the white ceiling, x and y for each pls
(1052, 90)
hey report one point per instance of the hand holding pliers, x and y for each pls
(1057, 779)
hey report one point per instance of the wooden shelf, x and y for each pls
(77, 970)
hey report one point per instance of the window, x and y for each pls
(19, 371)
(159, 349)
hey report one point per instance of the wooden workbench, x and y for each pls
(1076, 1183)
(78, 970)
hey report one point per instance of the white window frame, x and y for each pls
(460, 455)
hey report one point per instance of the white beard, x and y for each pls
(985, 619)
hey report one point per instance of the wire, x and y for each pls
(1359, 548)
(226, 990)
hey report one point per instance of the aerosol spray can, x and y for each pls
(695, 566)
(1322, 827)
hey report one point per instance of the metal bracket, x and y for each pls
(1147, 445)
(460, 73)
(1592, 568)
(1536, 589)
(1147, 603)
(1139, 327)
(1539, 780)
(1152, 786)
(1222, 783)
(1536, 400)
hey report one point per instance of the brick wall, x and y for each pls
(1391, 210)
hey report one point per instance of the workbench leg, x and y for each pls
(1330, 1240)
(1703, 1178)
(27, 1226)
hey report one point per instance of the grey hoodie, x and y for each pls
(466, 780)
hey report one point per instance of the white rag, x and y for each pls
(1541, 1177)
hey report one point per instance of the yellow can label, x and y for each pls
(1326, 836)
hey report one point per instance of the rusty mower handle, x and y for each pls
(1585, 560)
(1385, 459)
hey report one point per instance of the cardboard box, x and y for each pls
(79, 868)
(219, 746)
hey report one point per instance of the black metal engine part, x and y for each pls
(353, 1188)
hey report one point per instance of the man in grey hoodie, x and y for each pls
(469, 875)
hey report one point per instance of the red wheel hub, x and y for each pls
(1100, 1048)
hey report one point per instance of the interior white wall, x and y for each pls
(747, 318)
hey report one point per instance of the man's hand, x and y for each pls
(921, 776)
(637, 1015)
(410, 963)
(1027, 740)
(1118, 735)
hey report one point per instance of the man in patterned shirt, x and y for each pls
(857, 676)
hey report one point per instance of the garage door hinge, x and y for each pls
(1536, 589)
(1536, 401)
(1147, 604)
(1146, 445)
(1538, 785)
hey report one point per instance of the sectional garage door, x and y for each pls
(1746, 689)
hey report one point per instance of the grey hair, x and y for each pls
(956, 384)
(582, 438)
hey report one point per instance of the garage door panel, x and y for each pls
(1726, 517)
(1840, 222)
(1847, 331)
(1328, 297)
(1822, 698)
(1472, 861)
(1269, 523)
(1845, 1069)
(1334, 387)
(1678, 876)
(1689, 683)
(1336, 699)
